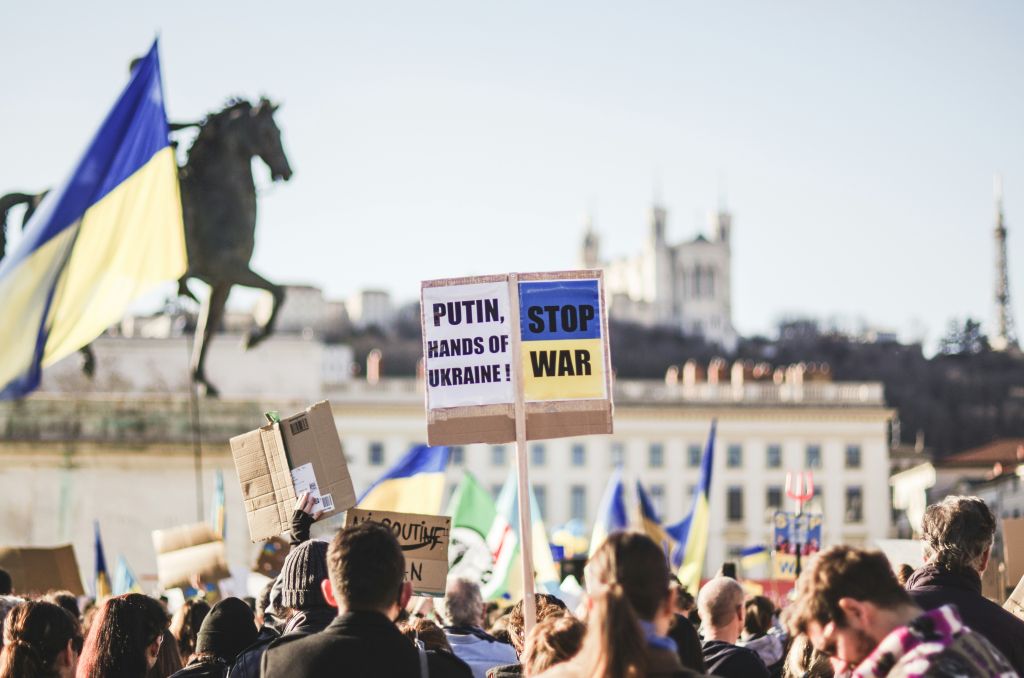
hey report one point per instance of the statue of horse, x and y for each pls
(218, 197)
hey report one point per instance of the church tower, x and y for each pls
(590, 255)
(1005, 337)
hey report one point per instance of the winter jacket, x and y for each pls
(932, 587)
(204, 669)
(478, 649)
(732, 661)
(687, 643)
(771, 649)
(247, 663)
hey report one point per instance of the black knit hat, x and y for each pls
(304, 569)
(227, 630)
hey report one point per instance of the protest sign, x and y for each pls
(424, 540)
(1013, 548)
(38, 570)
(278, 462)
(271, 559)
(186, 551)
(791, 529)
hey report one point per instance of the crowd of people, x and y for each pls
(343, 609)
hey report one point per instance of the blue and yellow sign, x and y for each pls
(563, 354)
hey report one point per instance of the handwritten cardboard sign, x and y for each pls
(424, 541)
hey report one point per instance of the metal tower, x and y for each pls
(1006, 336)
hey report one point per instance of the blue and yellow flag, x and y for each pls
(98, 241)
(691, 533)
(217, 517)
(124, 579)
(101, 580)
(650, 522)
(752, 556)
(414, 485)
(611, 514)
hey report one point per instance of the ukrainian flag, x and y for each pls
(104, 237)
(101, 581)
(691, 533)
(414, 485)
(650, 522)
(124, 579)
(752, 556)
(611, 514)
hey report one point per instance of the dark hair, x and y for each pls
(65, 599)
(366, 567)
(185, 625)
(35, 633)
(169, 660)
(842, 572)
(552, 641)
(684, 600)
(757, 619)
(432, 635)
(957, 531)
(5, 582)
(548, 607)
(903, 573)
(123, 629)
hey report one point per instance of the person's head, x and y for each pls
(463, 603)
(758, 613)
(65, 599)
(720, 602)
(846, 601)
(303, 573)
(8, 603)
(366, 569)
(168, 661)
(803, 661)
(903, 573)
(41, 640)
(552, 641)
(124, 639)
(548, 607)
(185, 625)
(684, 600)
(227, 630)
(430, 634)
(5, 582)
(957, 533)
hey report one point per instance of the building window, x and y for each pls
(656, 455)
(775, 456)
(457, 455)
(773, 498)
(376, 454)
(618, 454)
(657, 493)
(578, 502)
(734, 456)
(854, 505)
(734, 504)
(693, 454)
(813, 457)
(540, 493)
(579, 457)
(853, 456)
(498, 455)
(537, 454)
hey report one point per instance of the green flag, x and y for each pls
(472, 511)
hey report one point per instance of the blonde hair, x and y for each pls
(552, 641)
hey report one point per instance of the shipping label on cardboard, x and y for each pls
(304, 480)
(424, 540)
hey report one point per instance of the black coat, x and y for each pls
(355, 645)
(931, 587)
(247, 663)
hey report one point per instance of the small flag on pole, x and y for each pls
(101, 581)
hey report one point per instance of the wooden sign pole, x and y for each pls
(522, 463)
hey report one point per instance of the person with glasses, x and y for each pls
(40, 640)
(853, 609)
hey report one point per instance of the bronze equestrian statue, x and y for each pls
(218, 198)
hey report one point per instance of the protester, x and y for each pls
(464, 612)
(551, 642)
(6, 586)
(185, 625)
(720, 602)
(958, 533)
(548, 607)
(168, 661)
(803, 661)
(67, 600)
(682, 630)
(761, 636)
(365, 569)
(434, 650)
(125, 638)
(7, 603)
(41, 640)
(850, 605)
(226, 631)
(629, 609)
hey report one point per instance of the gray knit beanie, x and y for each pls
(304, 569)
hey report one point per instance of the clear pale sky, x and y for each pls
(854, 142)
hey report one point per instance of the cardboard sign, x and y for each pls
(424, 541)
(188, 550)
(1015, 603)
(784, 566)
(271, 559)
(279, 461)
(40, 570)
(1013, 548)
(469, 342)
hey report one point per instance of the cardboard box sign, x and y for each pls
(277, 462)
(270, 562)
(424, 541)
(39, 570)
(1013, 548)
(188, 550)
